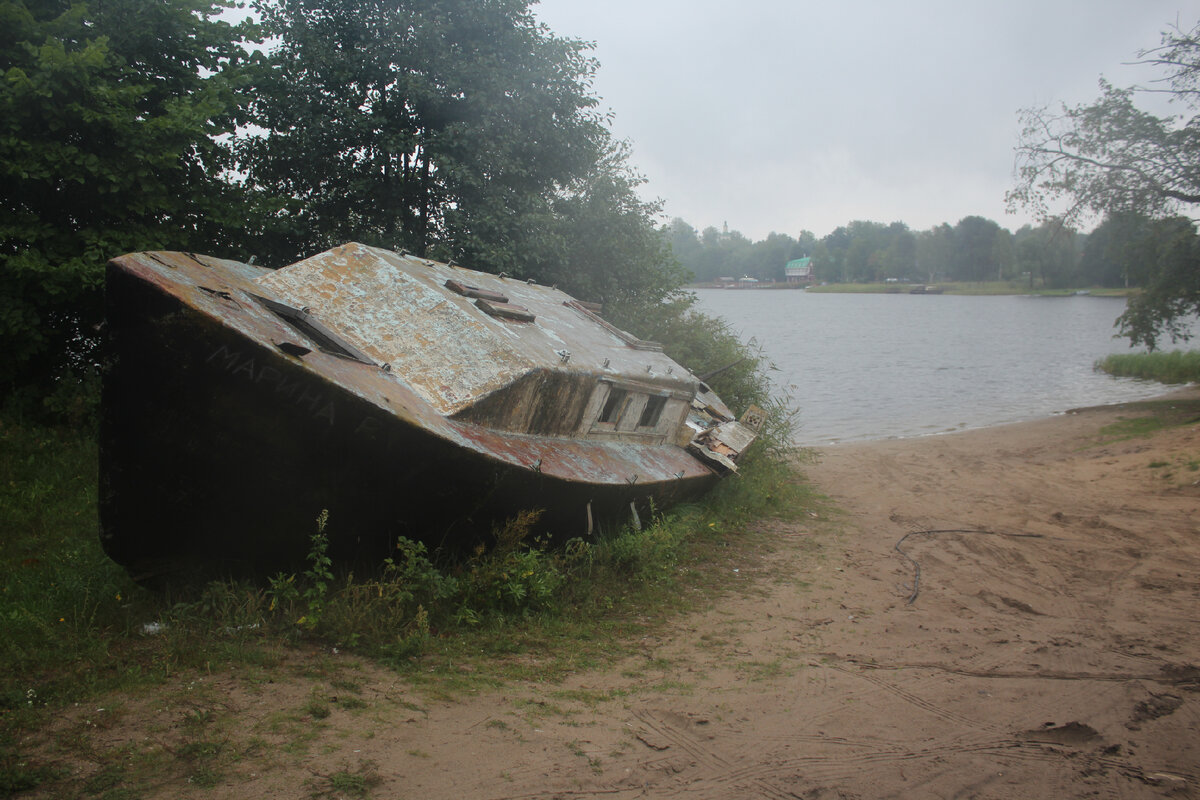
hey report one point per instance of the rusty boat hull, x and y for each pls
(231, 418)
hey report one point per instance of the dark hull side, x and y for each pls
(219, 452)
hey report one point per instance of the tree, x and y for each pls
(452, 128)
(685, 245)
(899, 257)
(769, 257)
(1048, 252)
(860, 261)
(830, 256)
(610, 251)
(935, 252)
(1168, 269)
(1114, 251)
(1111, 157)
(867, 251)
(974, 255)
(110, 118)
(447, 128)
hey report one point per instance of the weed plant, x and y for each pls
(413, 603)
(1174, 367)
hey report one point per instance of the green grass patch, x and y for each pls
(1131, 428)
(859, 288)
(1174, 367)
(1146, 417)
(1181, 469)
(356, 782)
(62, 598)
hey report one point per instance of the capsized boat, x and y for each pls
(406, 396)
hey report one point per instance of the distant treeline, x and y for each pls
(975, 249)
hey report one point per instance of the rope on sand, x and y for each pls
(917, 567)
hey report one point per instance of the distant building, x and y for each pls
(799, 270)
(746, 282)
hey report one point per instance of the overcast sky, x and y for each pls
(791, 115)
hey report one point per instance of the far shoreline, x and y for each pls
(961, 288)
(1187, 392)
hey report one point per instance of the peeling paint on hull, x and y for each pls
(226, 429)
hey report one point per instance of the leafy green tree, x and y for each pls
(447, 127)
(935, 253)
(1168, 270)
(706, 255)
(1110, 157)
(458, 129)
(1004, 254)
(1049, 254)
(715, 254)
(111, 115)
(806, 241)
(829, 263)
(974, 255)
(685, 245)
(610, 251)
(861, 258)
(1114, 250)
(724, 253)
(899, 257)
(867, 252)
(768, 257)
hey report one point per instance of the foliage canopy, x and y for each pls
(459, 129)
(110, 118)
(410, 124)
(1110, 157)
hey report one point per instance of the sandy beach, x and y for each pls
(1049, 648)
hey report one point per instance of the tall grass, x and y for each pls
(62, 598)
(1174, 367)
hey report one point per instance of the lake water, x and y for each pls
(878, 366)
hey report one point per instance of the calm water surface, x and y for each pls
(877, 366)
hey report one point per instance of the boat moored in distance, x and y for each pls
(406, 396)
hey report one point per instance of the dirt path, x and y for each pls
(1050, 652)
(1050, 649)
